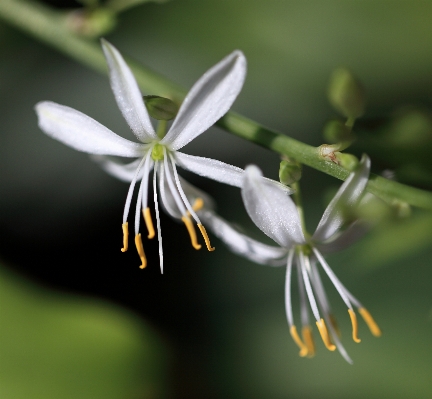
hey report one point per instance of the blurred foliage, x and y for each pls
(54, 345)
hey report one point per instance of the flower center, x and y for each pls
(157, 152)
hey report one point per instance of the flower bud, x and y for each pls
(348, 161)
(335, 131)
(346, 94)
(289, 172)
(160, 108)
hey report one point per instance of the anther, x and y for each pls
(303, 348)
(322, 328)
(198, 204)
(373, 327)
(308, 340)
(140, 249)
(191, 230)
(353, 318)
(149, 223)
(205, 236)
(125, 236)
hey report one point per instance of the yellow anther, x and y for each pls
(198, 204)
(334, 324)
(205, 236)
(308, 340)
(140, 249)
(191, 230)
(373, 327)
(149, 223)
(303, 348)
(125, 236)
(353, 318)
(325, 335)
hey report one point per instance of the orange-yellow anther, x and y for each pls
(308, 340)
(125, 236)
(303, 348)
(198, 204)
(191, 230)
(353, 318)
(334, 324)
(205, 236)
(373, 327)
(322, 328)
(149, 223)
(140, 249)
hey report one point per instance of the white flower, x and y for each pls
(277, 216)
(207, 101)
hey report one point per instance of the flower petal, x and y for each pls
(81, 132)
(348, 196)
(219, 171)
(208, 100)
(121, 171)
(241, 244)
(211, 168)
(127, 94)
(271, 209)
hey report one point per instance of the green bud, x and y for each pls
(336, 131)
(92, 23)
(411, 127)
(160, 108)
(346, 94)
(348, 161)
(289, 172)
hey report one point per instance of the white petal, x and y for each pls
(242, 244)
(348, 196)
(81, 132)
(271, 209)
(219, 171)
(121, 171)
(346, 238)
(211, 168)
(127, 94)
(208, 100)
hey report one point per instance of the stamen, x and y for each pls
(149, 223)
(354, 325)
(308, 339)
(205, 236)
(198, 204)
(125, 236)
(373, 327)
(334, 324)
(298, 341)
(140, 249)
(325, 335)
(191, 230)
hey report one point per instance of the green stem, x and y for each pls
(49, 26)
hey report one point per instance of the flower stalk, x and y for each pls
(48, 26)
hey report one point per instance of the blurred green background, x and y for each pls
(79, 319)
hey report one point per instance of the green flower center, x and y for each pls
(157, 152)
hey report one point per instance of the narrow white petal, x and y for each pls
(158, 223)
(288, 302)
(211, 168)
(121, 171)
(81, 132)
(308, 287)
(168, 202)
(348, 196)
(127, 94)
(219, 171)
(208, 100)
(240, 243)
(344, 239)
(271, 209)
